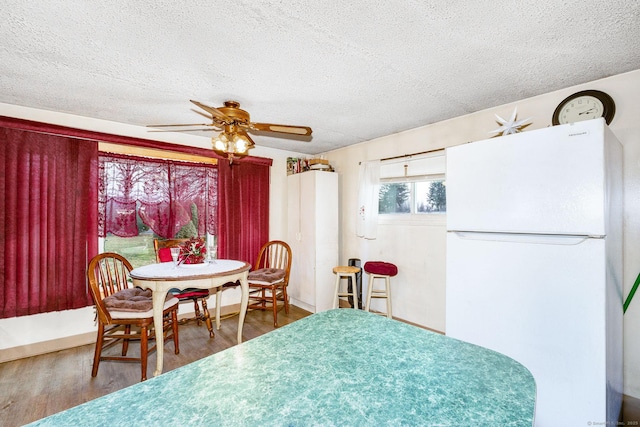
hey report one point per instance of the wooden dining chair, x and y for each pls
(198, 296)
(122, 309)
(270, 277)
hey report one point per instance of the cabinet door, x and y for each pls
(326, 231)
(300, 218)
(307, 228)
(549, 181)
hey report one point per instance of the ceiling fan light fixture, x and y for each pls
(242, 144)
(231, 145)
(220, 143)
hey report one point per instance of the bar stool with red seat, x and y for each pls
(380, 270)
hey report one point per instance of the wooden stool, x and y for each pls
(380, 270)
(343, 272)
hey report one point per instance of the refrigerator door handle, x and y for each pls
(543, 239)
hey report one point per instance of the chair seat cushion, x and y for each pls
(190, 293)
(266, 276)
(134, 303)
(382, 268)
(118, 314)
(130, 299)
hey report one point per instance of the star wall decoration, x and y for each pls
(510, 126)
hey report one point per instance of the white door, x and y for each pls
(548, 181)
(542, 303)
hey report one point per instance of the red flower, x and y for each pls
(193, 251)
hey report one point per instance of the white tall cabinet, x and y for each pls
(313, 236)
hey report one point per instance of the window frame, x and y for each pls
(414, 217)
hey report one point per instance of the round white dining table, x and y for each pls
(164, 276)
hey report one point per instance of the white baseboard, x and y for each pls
(43, 347)
(302, 305)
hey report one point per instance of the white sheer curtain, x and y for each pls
(369, 187)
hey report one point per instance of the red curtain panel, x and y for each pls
(243, 209)
(48, 221)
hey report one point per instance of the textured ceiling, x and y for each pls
(352, 70)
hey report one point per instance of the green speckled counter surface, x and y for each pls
(340, 367)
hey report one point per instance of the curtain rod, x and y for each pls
(413, 154)
(410, 155)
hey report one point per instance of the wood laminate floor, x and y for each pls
(630, 411)
(39, 386)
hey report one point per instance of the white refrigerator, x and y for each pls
(534, 262)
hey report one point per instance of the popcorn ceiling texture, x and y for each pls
(353, 71)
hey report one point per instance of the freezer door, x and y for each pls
(549, 181)
(541, 302)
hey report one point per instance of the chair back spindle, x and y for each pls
(273, 255)
(108, 273)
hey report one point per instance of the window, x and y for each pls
(395, 198)
(142, 199)
(419, 197)
(431, 196)
(413, 186)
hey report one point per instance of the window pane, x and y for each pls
(394, 198)
(431, 197)
(137, 250)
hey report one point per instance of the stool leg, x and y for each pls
(388, 285)
(335, 298)
(354, 291)
(370, 288)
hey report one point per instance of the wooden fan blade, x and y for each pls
(210, 129)
(214, 111)
(270, 127)
(180, 125)
(204, 114)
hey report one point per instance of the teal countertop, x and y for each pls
(340, 367)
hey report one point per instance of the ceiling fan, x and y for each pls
(234, 122)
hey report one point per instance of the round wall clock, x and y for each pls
(584, 105)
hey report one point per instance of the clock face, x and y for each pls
(585, 105)
(581, 108)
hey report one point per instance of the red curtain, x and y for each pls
(48, 218)
(243, 209)
(167, 195)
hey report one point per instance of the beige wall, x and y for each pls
(417, 247)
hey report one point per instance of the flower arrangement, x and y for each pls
(192, 251)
